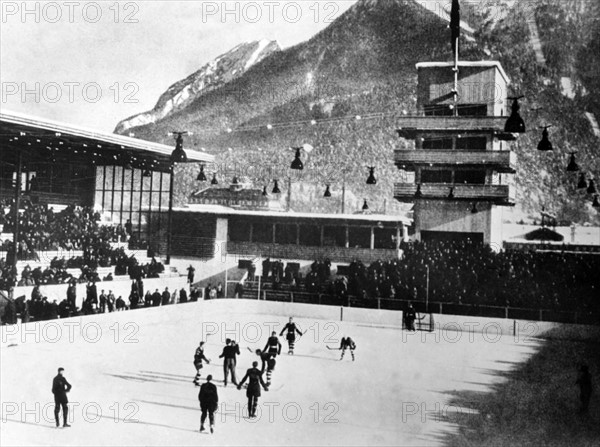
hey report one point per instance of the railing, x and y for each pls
(472, 310)
(409, 124)
(502, 161)
(502, 194)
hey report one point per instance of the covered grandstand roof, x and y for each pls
(226, 211)
(52, 141)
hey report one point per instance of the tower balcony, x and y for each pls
(499, 161)
(410, 127)
(497, 194)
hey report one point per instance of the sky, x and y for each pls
(93, 64)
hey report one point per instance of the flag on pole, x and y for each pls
(455, 24)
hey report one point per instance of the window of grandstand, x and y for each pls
(310, 235)
(286, 234)
(472, 110)
(471, 143)
(469, 177)
(262, 233)
(359, 237)
(123, 193)
(334, 236)
(436, 176)
(239, 230)
(385, 238)
(437, 143)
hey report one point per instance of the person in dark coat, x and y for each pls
(228, 355)
(60, 388)
(585, 388)
(72, 297)
(409, 318)
(255, 381)
(156, 298)
(182, 296)
(166, 297)
(209, 402)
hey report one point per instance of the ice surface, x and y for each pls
(395, 393)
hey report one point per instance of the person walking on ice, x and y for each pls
(273, 345)
(209, 402)
(269, 362)
(60, 388)
(255, 381)
(198, 358)
(291, 329)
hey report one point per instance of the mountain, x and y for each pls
(358, 74)
(215, 74)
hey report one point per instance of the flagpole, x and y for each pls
(456, 78)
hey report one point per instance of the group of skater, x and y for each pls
(208, 396)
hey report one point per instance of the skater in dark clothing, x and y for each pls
(409, 318)
(255, 381)
(273, 346)
(268, 362)
(291, 335)
(585, 388)
(198, 358)
(60, 388)
(228, 355)
(347, 343)
(209, 402)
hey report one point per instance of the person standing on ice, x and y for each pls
(209, 402)
(347, 343)
(229, 360)
(255, 381)
(198, 358)
(60, 388)
(291, 335)
(269, 362)
(273, 346)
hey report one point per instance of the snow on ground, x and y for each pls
(132, 379)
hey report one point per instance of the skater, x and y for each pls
(347, 343)
(198, 358)
(253, 392)
(228, 355)
(269, 362)
(209, 402)
(273, 346)
(409, 318)
(585, 388)
(60, 388)
(291, 335)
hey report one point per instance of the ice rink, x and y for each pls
(132, 379)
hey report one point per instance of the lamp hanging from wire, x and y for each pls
(371, 180)
(179, 155)
(572, 166)
(297, 162)
(201, 175)
(265, 193)
(582, 184)
(591, 189)
(514, 123)
(544, 144)
(276, 189)
(327, 192)
(596, 203)
(214, 180)
(365, 206)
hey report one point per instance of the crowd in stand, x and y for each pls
(464, 273)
